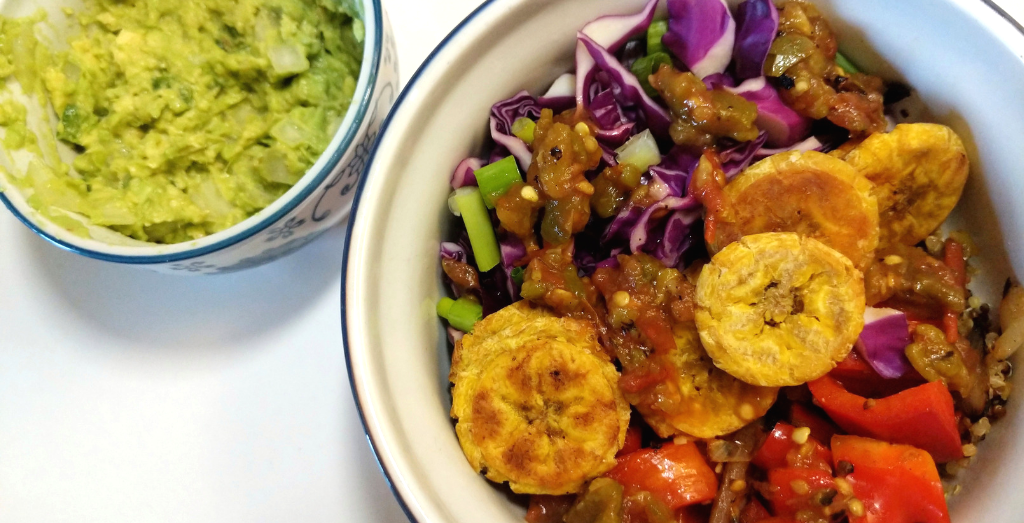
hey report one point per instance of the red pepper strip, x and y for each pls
(632, 443)
(785, 500)
(754, 512)
(953, 257)
(897, 496)
(677, 475)
(780, 451)
(822, 429)
(922, 416)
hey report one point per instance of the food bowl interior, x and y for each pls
(104, 242)
(963, 59)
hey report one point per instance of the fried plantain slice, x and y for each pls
(707, 402)
(537, 401)
(809, 193)
(919, 171)
(778, 309)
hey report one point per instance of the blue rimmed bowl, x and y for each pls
(321, 198)
(964, 60)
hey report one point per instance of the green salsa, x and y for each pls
(187, 116)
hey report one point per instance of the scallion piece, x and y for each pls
(846, 64)
(523, 129)
(461, 313)
(470, 203)
(517, 275)
(496, 178)
(641, 151)
(655, 31)
(646, 66)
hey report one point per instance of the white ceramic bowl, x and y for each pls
(321, 198)
(963, 58)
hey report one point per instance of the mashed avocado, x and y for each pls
(187, 116)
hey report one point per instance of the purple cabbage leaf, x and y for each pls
(612, 31)
(784, 126)
(503, 114)
(756, 25)
(701, 34)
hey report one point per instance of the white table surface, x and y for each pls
(127, 396)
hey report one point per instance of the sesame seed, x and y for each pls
(530, 194)
(800, 487)
(843, 486)
(585, 187)
(738, 485)
(800, 435)
(892, 259)
(747, 411)
(856, 507)
(620, 298)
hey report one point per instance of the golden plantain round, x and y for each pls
(778, 309)
(707, 402)
(809, 193)
(919, 171)
(537, 401)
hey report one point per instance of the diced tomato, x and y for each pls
(548, 509)
(780, 451)
(822, 429)
(632, 443)
(794, 489)
(754, 512)
(922, 416)
(677, 475)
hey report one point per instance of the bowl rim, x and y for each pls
(378, 442)
(303, 189)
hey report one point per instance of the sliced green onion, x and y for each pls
(517, 275)
(641, 151)
(478, 224)
(648, 65)
(846, 64)
(656, 30)
(452, 205)
(461, 313)
(496, 178)
(523, 129)
(444, 306)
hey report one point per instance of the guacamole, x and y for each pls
(187, 116)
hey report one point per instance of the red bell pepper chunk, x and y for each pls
(897, 496)
(896, 483)
(632, 443)
(922, 416)
(867, 452)
(793, 489)
(677, 475)
(822, 429)
(780, 451)
(754, 512)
